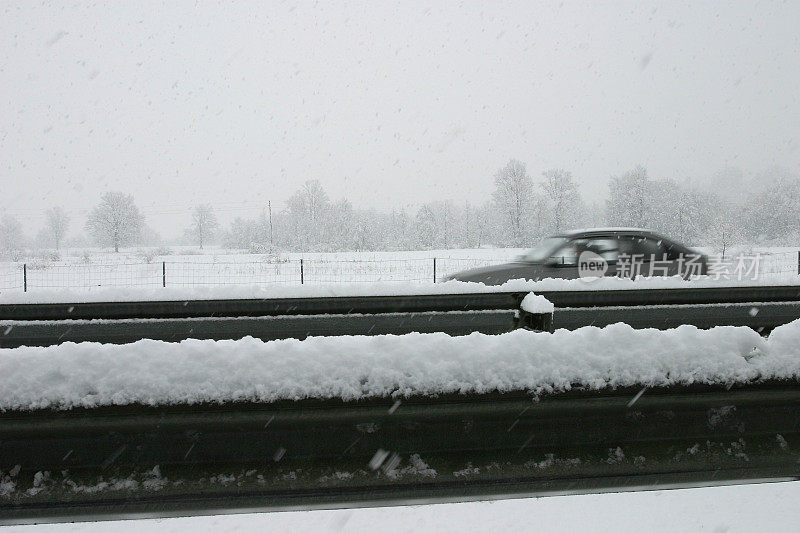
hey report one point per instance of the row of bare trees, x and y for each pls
(521, 211)
(768, 212)
(115, 222)
(529, 210)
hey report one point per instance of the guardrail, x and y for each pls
(123, 322)
(158, 461)
(392, 304)
(760, 316)
(187, 459)
(761, 308)
(263, 307)
(266, 328)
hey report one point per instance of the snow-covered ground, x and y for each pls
(724, 509)
(154, 372)
(154, 268)
(217, 267)
(384, 288)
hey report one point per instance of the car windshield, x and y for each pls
(543, 250)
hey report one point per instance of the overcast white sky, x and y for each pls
(387, 104)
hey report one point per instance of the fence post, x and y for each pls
(434, 270)
(301, 271)
(24, 277)
(163, 273)
(798, 262)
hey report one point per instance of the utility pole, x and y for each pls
(269, 208)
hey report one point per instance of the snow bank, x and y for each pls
(153, 372)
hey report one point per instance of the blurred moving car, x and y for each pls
(623, 252)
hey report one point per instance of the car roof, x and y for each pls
(590, 232)
(606, 230)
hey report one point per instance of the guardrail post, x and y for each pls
(24, 277)
(535, 321)
(434, 270)
(163, 273)
(301, 271)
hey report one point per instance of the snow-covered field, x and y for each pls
(724, 509)
(146, 268)
(156, 268)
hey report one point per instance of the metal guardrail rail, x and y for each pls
(161, 461)
(391, 304)
(268, 319)
(338, 305)
(760, 316)
(47, 333)
(761, 308)
(681, 296)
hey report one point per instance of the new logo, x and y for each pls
(591, 265)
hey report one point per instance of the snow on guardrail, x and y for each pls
(153, 372)
(120, 294)
(534, 303)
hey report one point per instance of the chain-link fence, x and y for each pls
(778, 263)
(764, 266)
(26, 277)
(32, 277)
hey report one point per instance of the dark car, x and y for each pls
(624, 252)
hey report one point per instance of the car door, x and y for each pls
(651, 257)
(563, 263)
(608, 248)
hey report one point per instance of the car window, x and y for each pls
(648, 248)
(673, 251)
(566, 255)
(605, 247)
(544, 249)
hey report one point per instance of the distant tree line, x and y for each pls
(764, 210)
(524, 209)
(726, 210)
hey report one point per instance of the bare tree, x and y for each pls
(56, 223)
(116, 221)
(341, 224)
(425, 222)
(513, 196)
(243, 234)
(11, 236)
(630, 199)
(439, 225)
(309, 209)
(723, 230)
(774, 214)
(204, 224)
(561, 193)
(681, 211)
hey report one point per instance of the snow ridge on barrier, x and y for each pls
(157, 373)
